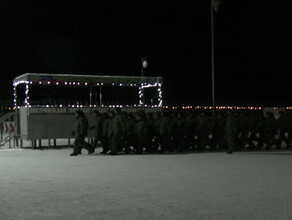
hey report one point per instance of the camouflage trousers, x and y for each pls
(80, 143)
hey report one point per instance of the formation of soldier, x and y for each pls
(182, 131)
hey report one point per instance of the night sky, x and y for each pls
(252, 45)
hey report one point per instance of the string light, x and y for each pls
(54, 80)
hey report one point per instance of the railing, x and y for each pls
(7, 129)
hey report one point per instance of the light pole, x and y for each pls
(144, 65)
(214, 7)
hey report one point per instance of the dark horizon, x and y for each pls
(252, 46)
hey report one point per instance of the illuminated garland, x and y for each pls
(140, 91)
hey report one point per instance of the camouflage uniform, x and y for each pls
(163, 132)
(243, 130)
(251, 125)
(104, 137)
(211, 123)
(80, 134)
(282, 129)
(219, 133)
(98, 128)
(151, 132)
(231, 130)
(269, 130)
(116, 131)
(141, 133)
(129, 138)
(289, 129)
(191, 130)
(203, 130)
(180, 133)
(172, 132)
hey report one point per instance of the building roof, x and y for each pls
(34, 78)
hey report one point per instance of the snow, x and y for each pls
(49, 184)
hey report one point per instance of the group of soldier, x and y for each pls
(183, 131)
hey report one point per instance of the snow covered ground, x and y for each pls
(49, 184)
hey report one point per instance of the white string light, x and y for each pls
(48, 82)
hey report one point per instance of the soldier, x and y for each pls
(129, 137)
(98, 128)
(269, 130)
(259, 131)
(231, 130)
(289, 129)
(218, 132)
(251, 125)
(203, 131)
(211, 141)
(243, 130)
(141, 133)
(157, 138)
(116, 131)
(191, 130)
(282, 129)
(151, 132)
(164, 138)
(180, 132)
(80, 134)
(104, 137)
(172, 132)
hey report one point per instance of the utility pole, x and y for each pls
(214, 7)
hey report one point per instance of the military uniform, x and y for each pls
(129, 137)
(180, 132)
(163, 132)
(203, 131)
(104, 134)
(80, 134)
(269, 130)
(231, 131)
(141, 133)
(115, 132)
(98, 129)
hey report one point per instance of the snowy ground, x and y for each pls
(49, 184)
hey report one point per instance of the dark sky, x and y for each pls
(252, 45)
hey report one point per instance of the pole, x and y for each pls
(144, 65)
(100, 95)
(212, 48)
(90, 96)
